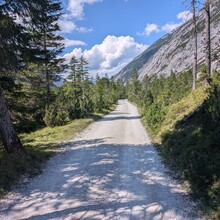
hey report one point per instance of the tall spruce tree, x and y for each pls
(82, 72)
(49, 42)
(73, 89)
(20, 47)
(15, 53)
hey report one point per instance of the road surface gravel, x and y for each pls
(110, 171)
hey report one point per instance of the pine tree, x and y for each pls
(82, 72)
(73, 69)
(46, 38)
(82, 80)
(8, 133)
(78, 88)
(22, 44)
(15, 53)
(72, 86)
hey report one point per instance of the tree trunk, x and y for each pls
(47, 74)
(195, 45)
(48, 94)
(9, 136)
(208, 38)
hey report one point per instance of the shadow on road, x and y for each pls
(114, 118)
(105, 181)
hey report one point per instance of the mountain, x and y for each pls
(174, 51)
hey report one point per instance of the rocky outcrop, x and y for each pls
(174, 52)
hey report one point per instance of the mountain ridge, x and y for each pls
(174, 51)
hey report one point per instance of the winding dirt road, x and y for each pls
(110, 171)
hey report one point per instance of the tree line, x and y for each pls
(182, 116)
(155, 94)
(208, 48)
(30, 67)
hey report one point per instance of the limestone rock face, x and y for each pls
(174, 51)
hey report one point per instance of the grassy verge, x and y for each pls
(40, 146)
(188, 141)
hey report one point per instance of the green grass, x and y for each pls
(40, 146)
(49, 136)
(182, 109)
(184, 126)
(192, 149)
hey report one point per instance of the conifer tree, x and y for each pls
(73, 69)
(73, 89)
(20, 45)
(15, 53)
(49, 42)
(82, 73)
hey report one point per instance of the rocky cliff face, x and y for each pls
(174, 52)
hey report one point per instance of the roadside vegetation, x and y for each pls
(44, 99)
(36, 114)
(40, 145)
(182, 114)
(42, 127)
(184, 126)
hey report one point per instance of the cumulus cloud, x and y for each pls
(185, 16)
(84, 29)
(76, 7)
(66, 26)
(75, 10)
(168, 27)
(149, 29)
(182, 16)
(70, 43)
(111, 55)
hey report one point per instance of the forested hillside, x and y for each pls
(181, 109)
(184, 125)
(29, 97)
(30, 67)
(175, 83)
(174, 51)
(181, 112)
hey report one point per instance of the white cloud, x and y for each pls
(76, 7)
(75, 10)
(149, 29)
(111, 55)
(66, 26)
(69, 43)
(84, 29)
(168, 27)
(185, 16)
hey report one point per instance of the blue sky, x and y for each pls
(110, 33)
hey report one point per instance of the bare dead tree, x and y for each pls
(195, 35)
(193, 4)
(207, 36)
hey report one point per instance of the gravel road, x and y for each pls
(110, 171)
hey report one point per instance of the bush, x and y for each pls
(193, 149)
(55, 116)
(185, 125)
